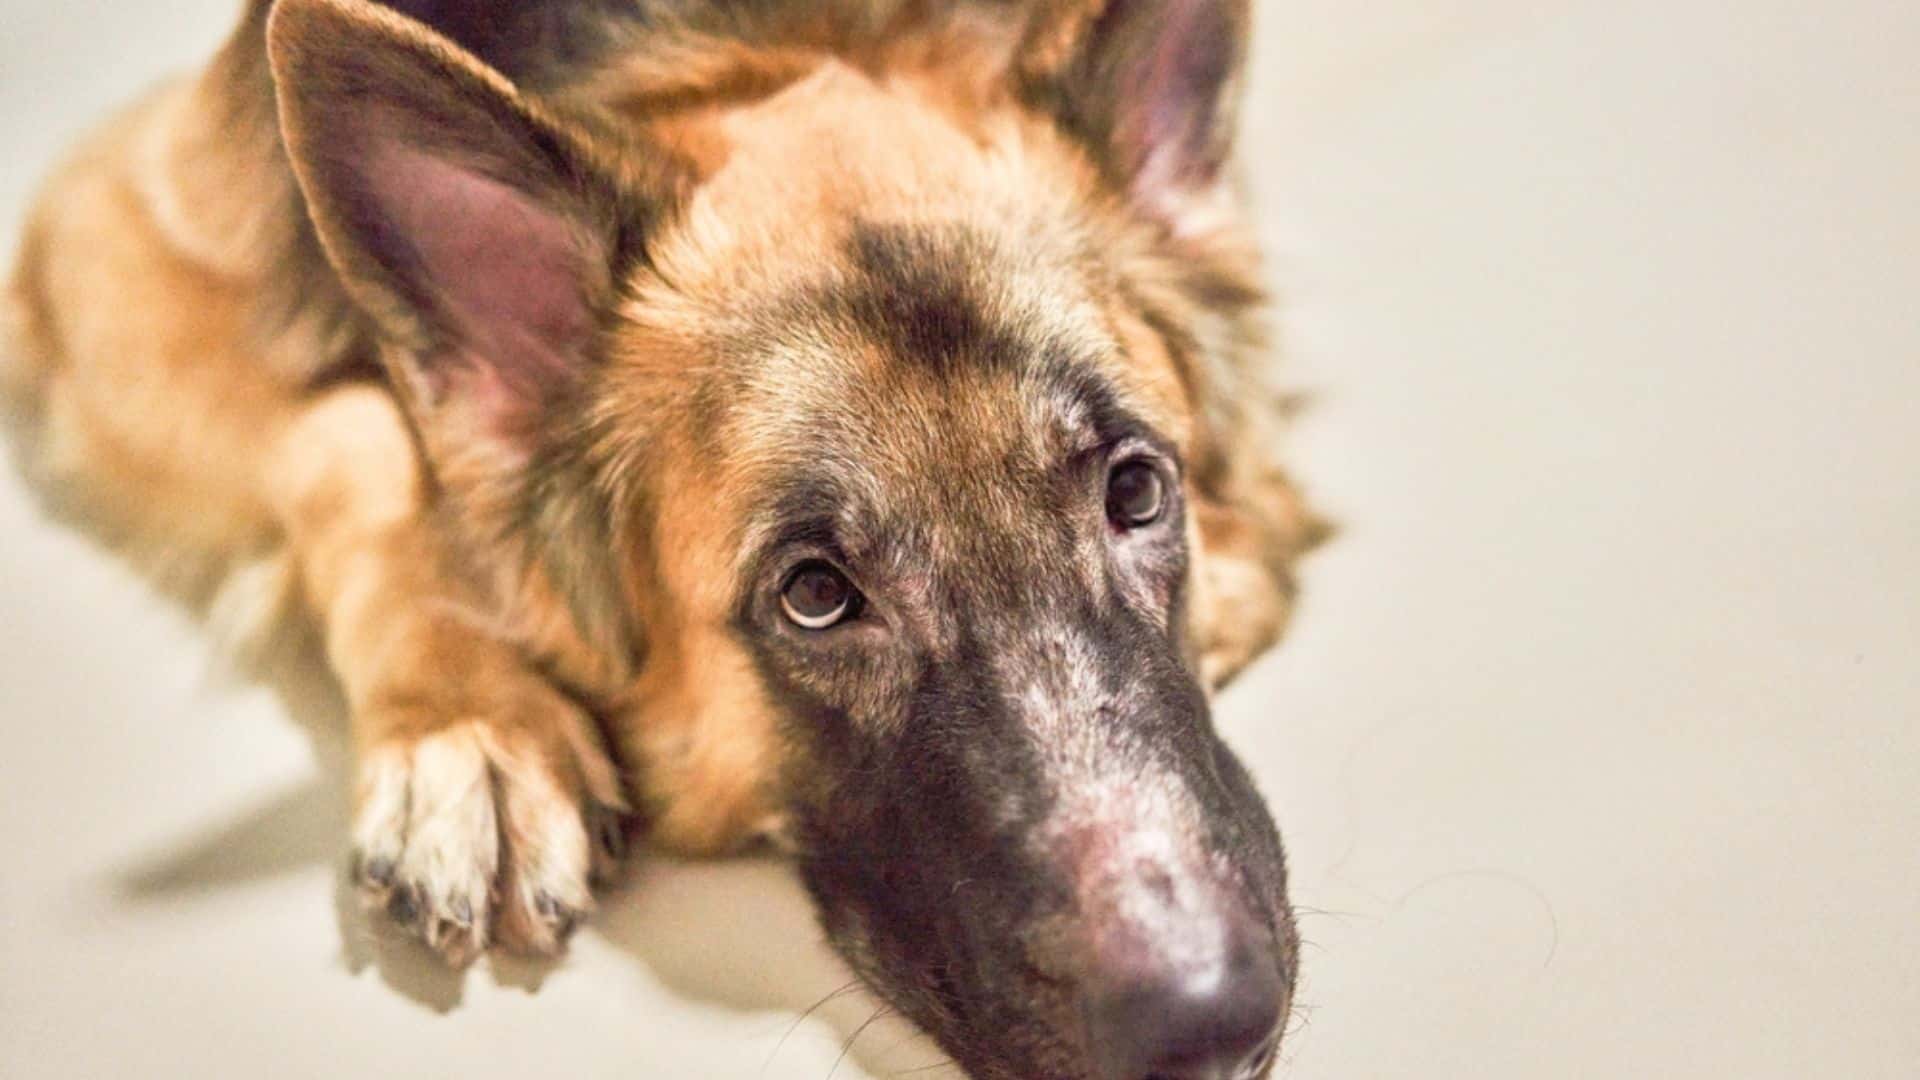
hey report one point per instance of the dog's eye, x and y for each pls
(1136, 495)
(817, 596)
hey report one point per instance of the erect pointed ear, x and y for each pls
(485, 238)
(480, 234)
(1151, 85)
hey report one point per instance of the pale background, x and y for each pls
(1595, 745)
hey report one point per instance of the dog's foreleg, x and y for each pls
(484, 798)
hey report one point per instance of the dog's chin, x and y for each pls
(1047, 1052)
(991, 1025)
(1001, 1048)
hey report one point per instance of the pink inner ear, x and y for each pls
(1170, 98)
(504, 274)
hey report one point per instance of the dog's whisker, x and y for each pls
(847, 988)
(1299, 1018)
(847, 1047)
(1302, 909)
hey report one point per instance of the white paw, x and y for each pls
(486, 832)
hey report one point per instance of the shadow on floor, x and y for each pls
(738, 933)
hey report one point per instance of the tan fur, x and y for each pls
(169, 380)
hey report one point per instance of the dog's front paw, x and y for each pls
(486, 831)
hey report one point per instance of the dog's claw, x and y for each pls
(456, 944)
(559, 917)
(373, 871)
(403, 907)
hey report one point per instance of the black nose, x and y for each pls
(1219, 1023)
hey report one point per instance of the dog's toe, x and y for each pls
(467, 841)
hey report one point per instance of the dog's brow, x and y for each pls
(804, 516)
(1088, 407)
(809, 512)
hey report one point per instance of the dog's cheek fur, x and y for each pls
(707, 736)
(697, 722)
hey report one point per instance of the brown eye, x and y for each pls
(1136, 495)
(817, 596)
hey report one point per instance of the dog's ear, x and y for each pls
(479, 233)
(1151, 85)
(485, 238)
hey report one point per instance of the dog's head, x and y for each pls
(868, 413)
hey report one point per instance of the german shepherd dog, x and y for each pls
(837, 423)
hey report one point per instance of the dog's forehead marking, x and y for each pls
(922, 370)
(823, 253)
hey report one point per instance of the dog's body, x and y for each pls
(520, 390)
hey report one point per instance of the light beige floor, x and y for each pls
(1595, 746)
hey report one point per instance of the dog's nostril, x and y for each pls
(1223, 1027)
